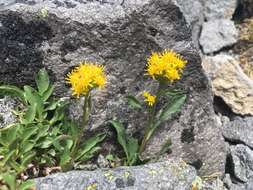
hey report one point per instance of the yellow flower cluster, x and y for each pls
(86, 77)
(150, 99)
(166, 65)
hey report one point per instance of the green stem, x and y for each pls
(86, 110)
(151, 120)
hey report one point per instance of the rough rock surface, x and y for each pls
(6, 116)
(195, 19)
(57, 36)
(217, 9)
(230, 82)
(240, 131)
(242, 159)
(174, 175)
(217, 34)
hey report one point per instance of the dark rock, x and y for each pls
(239, 131)
(174, 175)
(244, 9)
(121, 37)
(242, 158)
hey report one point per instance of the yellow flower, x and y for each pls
(86, 77)
(150, 99)
(166, 65)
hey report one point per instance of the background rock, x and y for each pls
(195, 19)
(239, 131)
(121, 37)
(230, 82)
(217, 9)
(242, 158)
(174, 175)
(217, 34)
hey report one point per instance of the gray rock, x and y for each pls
(7, 104)
(121, 37)
(169, 175)
(219, 9)
(240, 130)
(217, 34)
(194, 18)
(242, 159)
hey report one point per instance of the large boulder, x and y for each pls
(171, 174)
(120, 35)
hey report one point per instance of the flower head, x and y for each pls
(167, 65)
(86, 77)
(150, 99)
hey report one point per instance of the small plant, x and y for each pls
(43, 136)
(83, 79)
(31, 139)
(165, 68)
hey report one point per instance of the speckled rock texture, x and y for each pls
(120, 35)
(7, 104)
(169, 175)
(242, 158)
(239, 131)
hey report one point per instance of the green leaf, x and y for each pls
(45, 143)
(28, 132)
(75, 131)
(132, 146)
(89, 144)
(26, 185)
(29, 114)
(10, 180)
(16, 166)
(42, 81)
(7, 157)
(34, 98)
(26, 146)
(48, 93)
(43, 130)
(88, 155)
(13, 91)
(172, 107)
(27, 158)
(134, 102)
(173, 92)
(121, 135)
(11, 135)
(65, 157)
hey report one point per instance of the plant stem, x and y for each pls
(151, 120)
(86, 110)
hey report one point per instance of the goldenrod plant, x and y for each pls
(43, 136)
(165, 68)
(83, 79)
